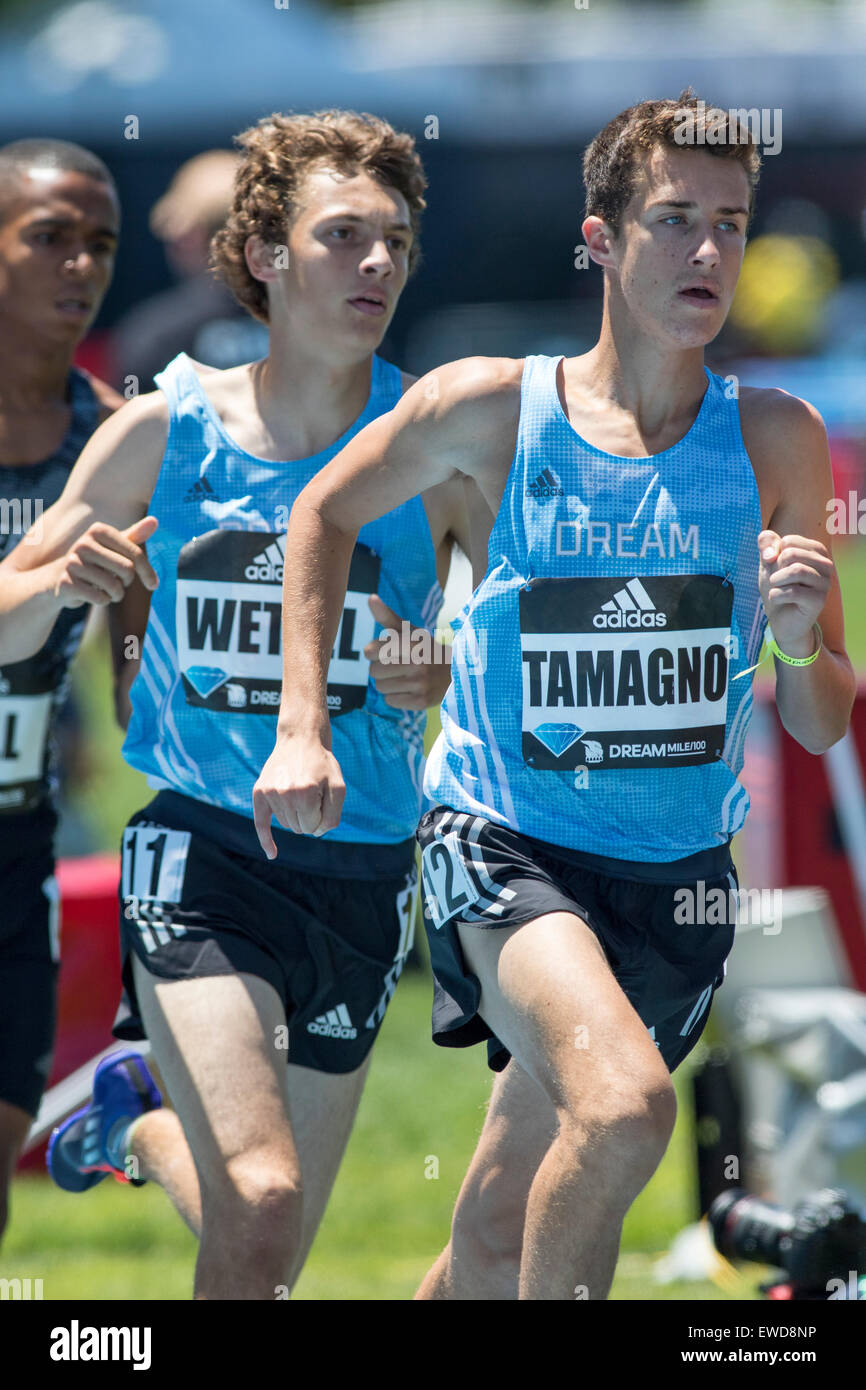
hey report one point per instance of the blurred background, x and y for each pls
(502, 99)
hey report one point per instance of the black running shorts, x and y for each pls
(489, 876)
(332, 947)
(29, 957)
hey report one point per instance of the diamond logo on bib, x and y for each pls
(629, 672)
(557, 737)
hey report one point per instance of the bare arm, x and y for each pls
(799, 584)
(127, 623)
(410, 673)
(87, 547)
(448, 423)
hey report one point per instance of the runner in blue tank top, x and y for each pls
(235, 966)
(647, 522)
(59, 224)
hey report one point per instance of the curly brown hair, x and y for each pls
(613, 157)
(277, 154)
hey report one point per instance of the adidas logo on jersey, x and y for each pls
(630, 607)
(268, 566)
(546, 485)
(201, 491)
(336, 1023)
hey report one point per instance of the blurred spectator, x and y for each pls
(198, 315)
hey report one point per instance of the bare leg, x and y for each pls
(550, 995)
(159, 1152)
(482, 1259)
(323, 1109)
(213, 1042)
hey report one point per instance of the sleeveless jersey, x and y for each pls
(207, 695)
(594, 702)
(32, 691)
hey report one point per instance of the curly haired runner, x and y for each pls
(230, 960)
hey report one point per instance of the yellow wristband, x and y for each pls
(796, 660)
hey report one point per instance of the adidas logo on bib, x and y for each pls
(630, 607)
(267, 568)
(336, 1023)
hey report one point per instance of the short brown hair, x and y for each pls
(277, 153)
(612, 159)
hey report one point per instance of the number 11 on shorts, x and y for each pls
(154, 861)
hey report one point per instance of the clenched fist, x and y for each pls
(794, 580)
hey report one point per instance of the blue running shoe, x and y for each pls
(78, 1156)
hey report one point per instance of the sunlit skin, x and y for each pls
(685, 224)
(58, 242)
(349, 237)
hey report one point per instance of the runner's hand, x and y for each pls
(794, 581)
(416, 670)
(301, 784)
(101, 564)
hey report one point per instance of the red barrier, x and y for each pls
(803, 826)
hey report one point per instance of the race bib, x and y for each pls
(625, 673)
(229, 622)
(152, 869)
(448, 888)
(26, 698)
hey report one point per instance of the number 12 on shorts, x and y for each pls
(154, 861)
(448, 888)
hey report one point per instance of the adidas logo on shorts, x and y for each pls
(336, 1023)
(631, 607)
(268, 567)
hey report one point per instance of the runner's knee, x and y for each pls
(489, 1218)
(624, 1133)
(255, 1196)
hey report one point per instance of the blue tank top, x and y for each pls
(206, 698)
(594, 702)
(33, 691)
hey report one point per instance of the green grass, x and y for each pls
(387, 1220)
(850, 558)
